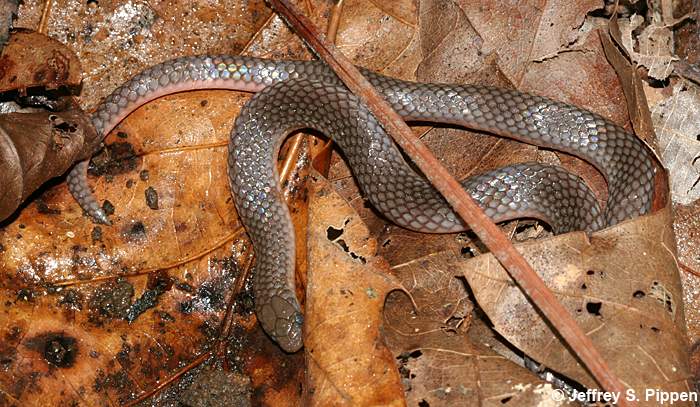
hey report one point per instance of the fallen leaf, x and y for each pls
(346, 360)
(440, 361)
(654, 44)
(686, 227)
(637, 106)
(31, 60)
(8, 11)
(623, 288)
(36, 147)
(677, 130)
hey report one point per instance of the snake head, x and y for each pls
(283, 321)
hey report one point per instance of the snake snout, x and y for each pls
(283, 321)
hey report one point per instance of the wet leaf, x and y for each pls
(31, 59)
(154, 301)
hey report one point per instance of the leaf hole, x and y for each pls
(594, 308)
(506, 400)
(639, 294)
(344, 246)
(467, 252)
(333, 233)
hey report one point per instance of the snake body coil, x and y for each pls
(312, 97)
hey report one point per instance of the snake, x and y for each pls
(296, 95)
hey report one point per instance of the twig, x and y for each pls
(160, 386)
(44, 21)
(334, 22)
(458, 198)
(689, 269)
(295, 143)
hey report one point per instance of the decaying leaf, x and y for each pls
(31, 59)
(623, 287)
(8, 11)
(35, 147)
(686, 225)
(139, 310)
(439, 361)
(652, 48)
(347, 362)
(631, 83)
(677, 128)
(39, 146)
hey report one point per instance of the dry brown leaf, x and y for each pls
(652, 47)
(39, 146)
(347, 362)
(176, 147)
(31, 59)
(439, 362)
(686, 226)
(637, 106)
(8, 11)
(622, 286)
(677, 129)
(35, 147)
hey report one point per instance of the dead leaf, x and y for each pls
(36, 147)
(8, 11)
(686, 227)
(624, 290)
(637, 106)
(39, 146)
(347, 362)
(677, 130)
(654, 44)
(31, 59)
(439, 360)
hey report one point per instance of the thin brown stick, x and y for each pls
(45, 13)
(168, 381)
(689, 269)
(334, 22)
(458, 198)
(292, 156)
(296, 141)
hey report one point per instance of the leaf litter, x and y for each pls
(52, 270)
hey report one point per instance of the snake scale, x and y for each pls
(293, 95)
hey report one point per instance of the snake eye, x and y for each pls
(298, 319)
